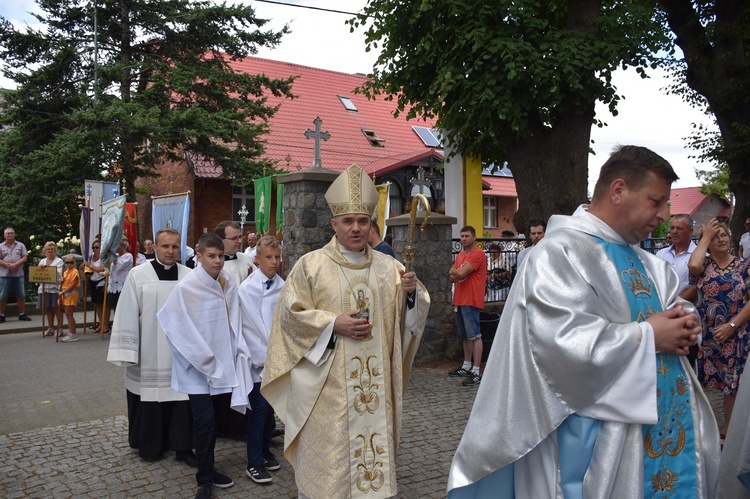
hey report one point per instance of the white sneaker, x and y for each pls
(70, 338)
(49, 332)
(63, 334)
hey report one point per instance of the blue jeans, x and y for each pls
(204, 435)
(467, 321)
(259, 427)
(12, 282)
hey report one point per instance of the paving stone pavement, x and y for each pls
(63, 430)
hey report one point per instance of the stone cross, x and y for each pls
(422, 183)
(317, 135)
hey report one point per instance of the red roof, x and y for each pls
(499, 186)
(317, 92)
(689, 199)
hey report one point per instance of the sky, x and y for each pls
(648, 116)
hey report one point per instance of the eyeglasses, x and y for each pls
(95, 247)
(70, 263)
(235, 238)
(720, 236)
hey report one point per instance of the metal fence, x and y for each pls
(501, 257)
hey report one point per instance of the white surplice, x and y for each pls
(138, 342)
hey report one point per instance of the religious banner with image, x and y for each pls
(84, 227)
(130, 228)
(113, 215)
(279, 208)
(172, 211)
(97, 192)
(383, 209)
(262, 204)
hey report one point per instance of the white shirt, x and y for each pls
(745, 242)
(680, 263)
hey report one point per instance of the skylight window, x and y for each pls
(348, 104)
(430, 136)
(375, 141)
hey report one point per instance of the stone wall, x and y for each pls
(307, 217)
(432, 260)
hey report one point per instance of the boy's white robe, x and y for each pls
(202, 324)
(258, 305)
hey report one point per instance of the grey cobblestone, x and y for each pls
(65, 434)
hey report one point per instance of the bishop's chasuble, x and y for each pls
(580, 404)
(342, 411)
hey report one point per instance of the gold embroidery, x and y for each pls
(665, 481)
(369, 475)
(366, 398)
(668, 427)
(637, 282)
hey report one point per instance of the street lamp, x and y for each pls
(243, 217)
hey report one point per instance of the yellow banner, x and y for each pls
(384, 204)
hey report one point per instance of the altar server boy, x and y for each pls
(258, 296)
(201, 319)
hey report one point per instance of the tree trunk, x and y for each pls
(718, 69)
(554, 166)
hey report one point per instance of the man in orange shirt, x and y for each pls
(469, 275)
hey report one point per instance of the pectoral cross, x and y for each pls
(317, 135)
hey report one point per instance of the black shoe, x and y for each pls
(473, 379)
(277, 432)
(2, 319)
(24, 317)
(459, 373)
(259, 474)
(270, 462)
(205, 491)
(187, 457)
(221, 481)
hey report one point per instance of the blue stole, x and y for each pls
(669, 445)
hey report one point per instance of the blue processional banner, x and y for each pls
(172, 211)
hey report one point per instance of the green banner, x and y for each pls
(279, 207)
(262, 204)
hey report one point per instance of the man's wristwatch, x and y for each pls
(734, 326)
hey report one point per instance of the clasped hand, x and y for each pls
(675, 330)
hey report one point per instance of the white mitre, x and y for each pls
(352, 192)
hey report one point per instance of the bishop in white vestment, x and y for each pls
(337, 361)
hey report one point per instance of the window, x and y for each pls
(246, 196)
(348, 104)
(375, 141)
(490, 211)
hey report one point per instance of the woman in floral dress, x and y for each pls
(723, 285)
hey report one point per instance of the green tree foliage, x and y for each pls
(151, 82)
(513, 80)
(714, 36)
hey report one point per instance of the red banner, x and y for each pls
(130, 228)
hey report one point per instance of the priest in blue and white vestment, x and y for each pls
(587, 392)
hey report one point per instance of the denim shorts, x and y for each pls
(467, 321)
(11, 282)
